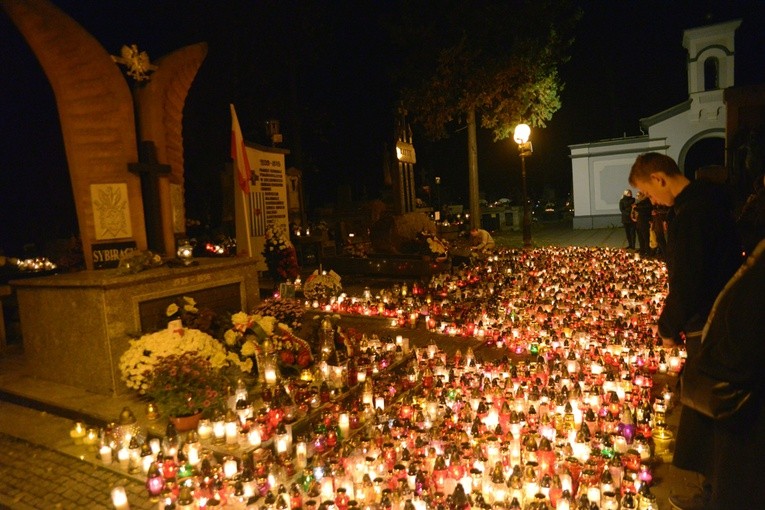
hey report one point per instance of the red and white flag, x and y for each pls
(239, 153)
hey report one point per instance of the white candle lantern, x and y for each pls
(204, 429)
(123, 457)
(106, 454)
(230, 468)
(119, 499)
(301, 454)
(344, 424)
(219, 430)
(254, 437)
(231, 429)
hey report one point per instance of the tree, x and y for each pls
(482, 60)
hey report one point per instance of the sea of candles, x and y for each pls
(568, 414)
(485, 432)
(518, 297)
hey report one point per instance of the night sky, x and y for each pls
(328, 64)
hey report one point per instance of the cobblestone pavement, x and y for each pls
(37, 477)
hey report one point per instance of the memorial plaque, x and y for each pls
(107, 255)
(265, 204)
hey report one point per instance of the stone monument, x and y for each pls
(75, 326)
(98, 111)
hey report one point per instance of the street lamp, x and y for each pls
(521, 137)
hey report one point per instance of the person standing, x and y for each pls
(625, 207)
(733, 351)
(643, 209)
(703, 252)
(659, 229)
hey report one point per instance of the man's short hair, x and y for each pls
(651, 162)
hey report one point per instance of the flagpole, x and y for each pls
(246, 199)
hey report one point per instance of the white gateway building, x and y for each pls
(688, 132)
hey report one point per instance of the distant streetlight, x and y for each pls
(521, 137)
(438, 192)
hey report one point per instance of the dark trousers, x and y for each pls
(644, 237)
(629, 230)
(695, 432)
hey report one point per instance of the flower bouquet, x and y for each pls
(322, 285)
(280, 255)
(183, 371)
(434, 246)
(204, 319)
(142, 356)
(285, 311)
(252, 338)
(186, 384)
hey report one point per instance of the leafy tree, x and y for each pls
(482, 60)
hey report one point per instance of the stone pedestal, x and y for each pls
(76, 326)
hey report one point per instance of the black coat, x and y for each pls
(625, 207)
(703, 252)
(733, 349)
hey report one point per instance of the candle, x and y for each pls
(270, 376)
(254, 437)
(230, 468)
(232, 432)
(301, 454)
(91, 437)
(204, 429)
(146, 462)
(193, 455)
(280, 444)
(106, 454)
(344, 423)
(78, 432)
(123, 457)
(219, 430)
(119, 499)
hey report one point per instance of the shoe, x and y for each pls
(692, 502)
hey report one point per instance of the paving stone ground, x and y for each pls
(38, 477)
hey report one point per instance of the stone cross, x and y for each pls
(150, 172)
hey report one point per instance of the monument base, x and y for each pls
(76, 326)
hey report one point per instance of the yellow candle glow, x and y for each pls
(301, 454)
(254, 437)
(344, 423)
(106, 454)
(119, 499)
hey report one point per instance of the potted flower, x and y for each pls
(181, 370)
(143, 354)
(186, 384)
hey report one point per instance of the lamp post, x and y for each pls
(521, 137)
(438, 192)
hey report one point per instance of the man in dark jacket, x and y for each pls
(703, 252)
(625, 207)
(733, 350)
